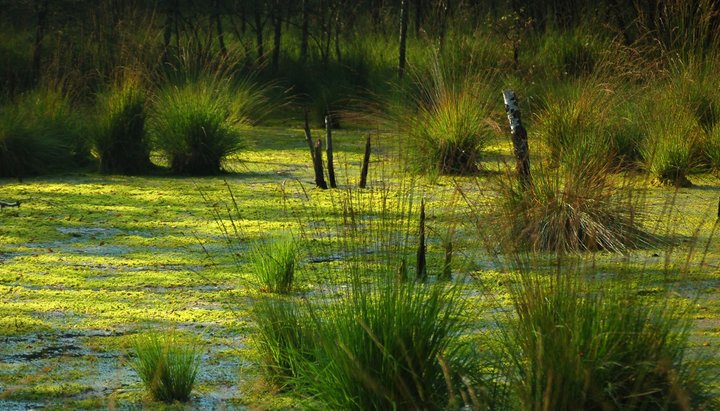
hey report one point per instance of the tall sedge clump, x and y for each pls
(570, 53)
(391, 345)
(121, 141)
(273, 265)
(590, 120)
(578, 207)
(284, 339)
(578, 346)
(40, 133)
(451, 127)
(681, 122)
(672, 146)
(167, 366)
(712, 148)
(196, 125)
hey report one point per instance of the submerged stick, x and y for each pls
(519, 138)
(4, 204)
(365, 164)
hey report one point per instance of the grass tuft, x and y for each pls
(196, 125)
(167, 366)
(575, 208)
(273, 265)
(40, 133)
(121, 141)
(390, 345)
(284, 339)
(575, 346)
(672, 147)
(452, 125)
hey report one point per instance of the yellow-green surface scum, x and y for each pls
(88, 261)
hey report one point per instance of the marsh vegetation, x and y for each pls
(171, 248)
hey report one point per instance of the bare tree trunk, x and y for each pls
(418, 16)
(277, 32)
(218, 25)
(445, 14)
(329, 151)
(519, 138)
(41, 8)
(305, 31)
(326, 22)
(403, 37)
(257, 15)
(338, 27)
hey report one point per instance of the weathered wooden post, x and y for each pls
(365, 164)
(421, 271)
(329, 150)
(519, 138)
(318, 166)
(315, 155)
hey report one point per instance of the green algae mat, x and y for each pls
(88, 261)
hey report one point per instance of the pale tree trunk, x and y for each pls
(519, 138)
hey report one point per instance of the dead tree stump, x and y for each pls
(421, 271)
(308, 136)
(318, 165)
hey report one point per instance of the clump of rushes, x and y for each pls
(284, 338)
(196, 125)
(40, 133)
(712, 148)
(591, 115)
(575, 346)
(573, 208)
(273, 265)
(167, 366)
(452, 126)
(391, 345)
(571, 53)
(120, 140)
(671, 150)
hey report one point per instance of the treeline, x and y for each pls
(96, 37)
